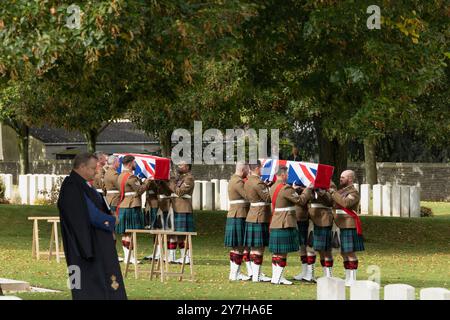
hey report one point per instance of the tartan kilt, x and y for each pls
(256, 235)
(234, 232)
(303, 232)
(351, 241)
(113, 210)
(130, 218)
(183, 222)
(153, 222)
(283, 241)
(322, 238)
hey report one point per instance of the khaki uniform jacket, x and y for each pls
(287, 197)
(322, 217)
(301, 212)
(110, 181)
(151, 198)
(134, 185)
(98, 181)
(182, 187)
(163, 194)
(257, 191)
(236, 192)
(347, 197)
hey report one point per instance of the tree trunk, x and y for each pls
(370, 162)
(91, 139)
(165, 140)
(332, 152)
(24, 141)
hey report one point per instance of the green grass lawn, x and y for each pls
(411, 251)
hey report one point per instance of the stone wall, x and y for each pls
(432, 178)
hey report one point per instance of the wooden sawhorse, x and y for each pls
(162, 264)
(54, 239)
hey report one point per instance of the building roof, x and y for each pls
(116, 132)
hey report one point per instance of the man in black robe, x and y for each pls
(87, 228)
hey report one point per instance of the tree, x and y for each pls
(14, 99)
(350, 81)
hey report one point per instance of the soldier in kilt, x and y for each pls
(235, 224)
(160, 221)
(346, 201)
(181, 200)
(257, 222)
(320, 213)
(283, 227)
(305, 252)
(130, 203)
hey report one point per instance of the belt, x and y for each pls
(112, 191)
(99, 190)
(173, 195)
(285, 209)
(129, 194)
(151, 192)
(237, 201)
(259, 204)
(319, 205)
(340, 211)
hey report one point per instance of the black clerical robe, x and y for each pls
(87, 232)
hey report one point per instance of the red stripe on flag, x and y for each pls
(147, 167)
(306, 173)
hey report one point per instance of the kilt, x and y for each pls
(283, 241)
(322, 238)
(183, 222)
(351, 241)
(234, 232)
(130, 218)
(256, 235)
(153, 212)
(303, 232)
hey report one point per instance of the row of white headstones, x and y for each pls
(334, 289)
(386, 200)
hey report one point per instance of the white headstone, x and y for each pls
(365, 198)
(49, 180)
(24, 187)
(365, 290)
(399, 292)
(40, 185)
(330, 289)
(414, 202)
(377, 200)
(207, 195)
(216, 185)
(434, 294)
(9, 298)
(8, 182)
(386, 202)
(197, 196)
(223, 194)
(404, 199)
(396, 203)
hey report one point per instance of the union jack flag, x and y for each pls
(148, 166)
(300, 173)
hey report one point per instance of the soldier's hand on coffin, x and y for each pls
(311, 185)
(294, 186)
